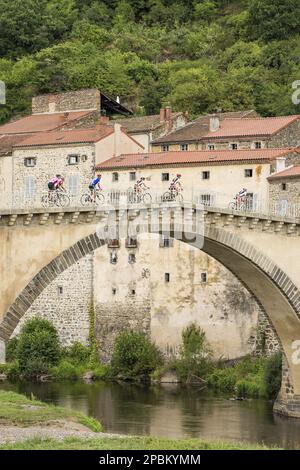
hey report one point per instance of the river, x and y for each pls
(170, 410)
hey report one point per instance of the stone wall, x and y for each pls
(66, 302)
(69, 101)
(266, 339)
(291, 194)
(49, 162)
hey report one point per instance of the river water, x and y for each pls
(170, 411)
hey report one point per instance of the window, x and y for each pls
(167, 277)
(248, 173)
(257, 145)
(84, 158)
(203, 277)
(206, 199)
(164, 148)
(132, 291)
(233, 146)
(73, 183)
(165, 241)
(73, 159)
(205, 175)
(210, 147)
(60, 290)
(30, 186)
(114, 291)
(165, 176)
(115, 177)
(113, 257)
(29, 162)
(284, 186)
(132, 176)
(184, 147)
(131, 258)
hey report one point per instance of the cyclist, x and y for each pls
(140, 185)
(56, 183)
(175, 185)
(241, 196)
(94, 185)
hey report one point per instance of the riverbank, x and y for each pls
(33, 425)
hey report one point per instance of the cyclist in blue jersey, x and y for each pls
(94, 185)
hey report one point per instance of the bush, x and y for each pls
(134, 355)
(11, 349)
(195, 354)
(65, 370)
(272, 376)
(38, 347)
(77, 353)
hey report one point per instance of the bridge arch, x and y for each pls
(274, 290)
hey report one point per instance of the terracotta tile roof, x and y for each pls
(142, 123)
(194, 157)
(67, 137)
(193, 131)
(292, 172)
(8, 141)
(41, 122)
(251, 127)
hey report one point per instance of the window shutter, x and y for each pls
(30, 187)
(73, 185)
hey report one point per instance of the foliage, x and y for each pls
(134, 355)
(231, 54)
(76, 353)
(272, 375)
(38, 347)
(195, 355)
(251, 377)
(11, 349)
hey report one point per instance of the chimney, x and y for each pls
(162, 114)
(168, 113)
(117, 140)
(214, 123)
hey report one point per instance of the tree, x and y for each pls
(274, 19)
(23, 27)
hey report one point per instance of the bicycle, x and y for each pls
(172, 195)
(88, 198)
(135, 197)
(239, 204)
(55, 198)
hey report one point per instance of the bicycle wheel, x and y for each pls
(85, 199)
(147, 198)
(45, 201)
(167, 197)
(63, 200)
(100, 199)
(232, 206)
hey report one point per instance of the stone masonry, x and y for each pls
(66, 302)
(73, 100)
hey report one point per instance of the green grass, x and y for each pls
(129, 443)
(20, 411)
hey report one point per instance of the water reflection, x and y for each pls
(170, 411)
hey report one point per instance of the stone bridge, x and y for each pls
(262, 251)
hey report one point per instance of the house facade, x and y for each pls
(233, 133)
(284, 190)
(212, 177)
(146, 129)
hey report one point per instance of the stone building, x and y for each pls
(71, 153)
(212, 177)
(220, 132)
(145, 129)
(284, 190)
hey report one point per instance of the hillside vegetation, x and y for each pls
(198, 55)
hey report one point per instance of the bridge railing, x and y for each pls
(255, 205)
